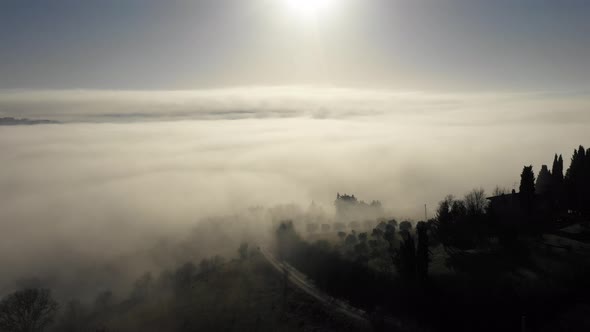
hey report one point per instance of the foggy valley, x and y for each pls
(294, 165)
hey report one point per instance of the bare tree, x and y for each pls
(27, 310)
(475, 202)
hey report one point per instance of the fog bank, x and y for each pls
(84, 191)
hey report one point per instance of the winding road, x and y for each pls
(302, 282)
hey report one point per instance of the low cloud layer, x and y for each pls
(294, 102)
(84, 189)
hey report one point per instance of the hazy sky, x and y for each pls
(442, 45)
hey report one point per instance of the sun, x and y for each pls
(309, 8)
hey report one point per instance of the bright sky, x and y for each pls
(530, 45)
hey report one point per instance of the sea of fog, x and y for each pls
(124, 168)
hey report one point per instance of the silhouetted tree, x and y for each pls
(557, 169)
(422, 251)
(558, 190)
(458, 210)
(404, 258)
(475, 202)
(27, 310)
(444, 219)
(363, 237)
(527, 188)
(381, 226)
(443, 213)
(377, 233)
(544, 183)
(405, 226)
(351, 239)
(389, 234)
(575, 179)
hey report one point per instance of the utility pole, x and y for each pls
(425, 214)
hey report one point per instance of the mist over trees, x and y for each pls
(472, 257)
(493, 243)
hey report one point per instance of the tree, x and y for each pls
(444, 219)
(544, 183)
(527, 181)
(389, 234)
(475, 202)
(404, 258)
(405, 226)
(458, 210)
(27, 310)
(557, 169)
(363, 237)
(575, 178)
(351, 239)
(558, 190)
(377, 233)
(443, 213)
(527, 188)
(422, 252)
(381, 226)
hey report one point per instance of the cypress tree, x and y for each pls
(527, 188)
(557, 169)
(544, 181)
(558, 190)
(575, 178)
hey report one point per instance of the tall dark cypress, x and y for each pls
(575, 178)
(585, 186)
(558, 187)
(555, 167)
(527, 188)
(527, 181)
(560, 163)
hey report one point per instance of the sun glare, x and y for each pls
(309, 8)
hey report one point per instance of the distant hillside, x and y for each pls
(8, 121)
